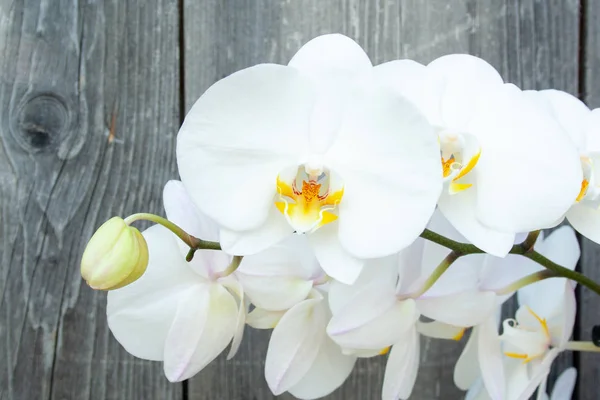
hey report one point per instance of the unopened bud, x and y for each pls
(115, 256)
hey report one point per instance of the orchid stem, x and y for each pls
(523, 249)
(582, 346)
(526, 280)
(193, 242)
(235, 263)
(437, 273)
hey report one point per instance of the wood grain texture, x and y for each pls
(66, 68)
(532, 43)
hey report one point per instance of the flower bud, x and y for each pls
(115, 256)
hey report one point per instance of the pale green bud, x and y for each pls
(115, 256)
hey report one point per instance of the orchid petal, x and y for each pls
(517, 135)
(402, 367)
(570, 112)
(440, 330)
(264, 319)
(294, 345)
(236, 288)
(564, 385)
(241, 132)
(140, 314)
(374, 319)
(466, 370)
(329, 370)
(335, 260)
(462, 309)
(399, 162)
(586, 220)
(540, 374)
(490, 358)
(204, 324)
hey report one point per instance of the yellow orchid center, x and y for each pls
(458, 160)
(308, 202)
(584, 187)
(537, 341)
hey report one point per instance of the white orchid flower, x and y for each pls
(316, 147)
(301, 358)
(563, 387)
(515, 363)
(583, 126)
(181, 313)
(498, 149)
(383, 307)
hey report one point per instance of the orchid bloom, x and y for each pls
(288, 289)
(583, 126)
(317, 147)
(498, 149)
(182, 313)
(515, 363)
(383, 307)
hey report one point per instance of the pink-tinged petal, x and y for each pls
(295, 344)
(236, 139)
(462, 309)
(466, 79)
(460, 210)
(335, 260)
(236, 288)
(564, 385)
(328, 372)
(491, 359)
(402, 367)
(586, 220)
(273, 231)
(263, 319)
(387, 154)
(372, 320)
(505, 119)
(205, 323)
(140, 314)
(466, 370)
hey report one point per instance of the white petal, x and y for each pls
(570, 112)
(294, 345)
(388, 157)
(561, 246)
(263, 319)
(518, 135)
(236, 139)
(466, 370)
(204, 325)
(140, 314)
(236, 288)
(490, 358)
(373, 319)
(335, 260)
(499, 272)
(274, 230)
(467, 79)
(540, 374)
(569, 310)
(564, 385)
(586, 220)
(440, 330)
(593, 131)
(462, 309)
(460, 210)
(402, 367)
(381, 272)
(280, 277)
(333, 53)
(329, 370)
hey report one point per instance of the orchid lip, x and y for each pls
(457, 161)
(308, 202)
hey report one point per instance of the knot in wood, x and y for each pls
(41, 122)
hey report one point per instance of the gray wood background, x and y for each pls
(91, 96)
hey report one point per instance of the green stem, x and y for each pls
(193, 242)
(436, 274)
(582, 346)
(530, 240)
(520, 249)
(526, 280)
(235, 263)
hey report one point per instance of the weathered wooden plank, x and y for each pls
(532, 43)
(66, 68)
(589, 304)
